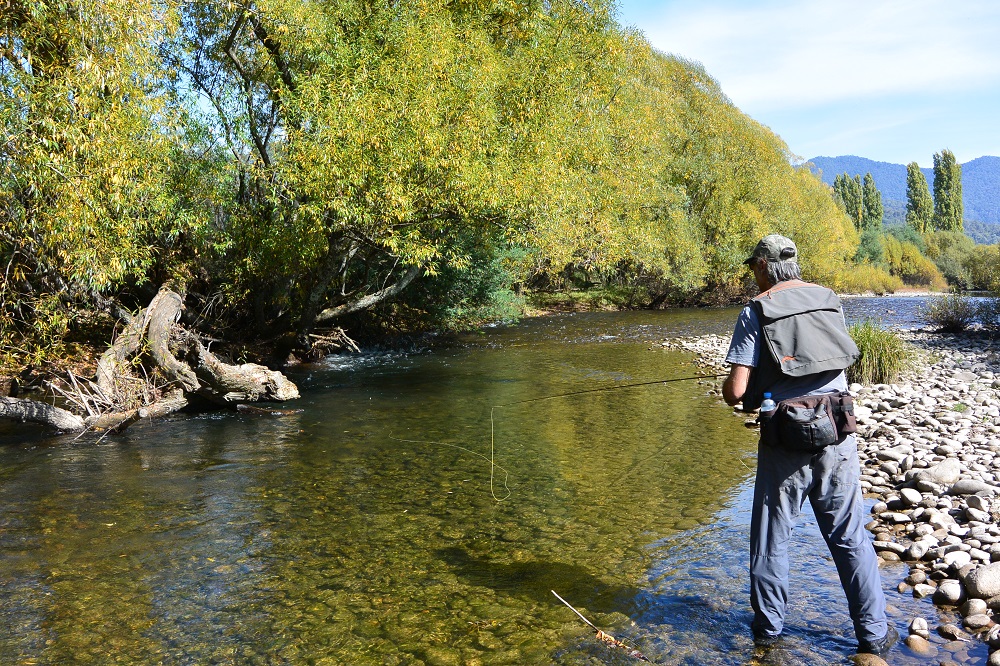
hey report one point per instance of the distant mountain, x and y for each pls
(980, 188)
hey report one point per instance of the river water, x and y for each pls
(386, 523)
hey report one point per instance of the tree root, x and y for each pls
(177, 367)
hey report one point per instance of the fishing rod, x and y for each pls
(612, 388)
(565, 395)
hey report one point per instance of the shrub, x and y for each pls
(866, 278)
(884, 355)
(952, 313)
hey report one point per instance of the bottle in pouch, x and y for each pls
(767, 408)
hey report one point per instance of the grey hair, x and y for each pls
(781, 271)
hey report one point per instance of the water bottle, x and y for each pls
(767, 407)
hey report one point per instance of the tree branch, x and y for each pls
(371, 299)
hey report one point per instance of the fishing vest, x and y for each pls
(802, 333)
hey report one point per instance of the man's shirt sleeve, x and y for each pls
(744, 349)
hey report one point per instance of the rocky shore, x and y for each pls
(929, 447)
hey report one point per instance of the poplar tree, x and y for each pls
(919, 204)
(851, 194)
(948, 211)
(871, 204)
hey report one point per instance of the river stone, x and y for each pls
(957, 558)
(984, 582)
(994, 659)
(945, 472)
(911, 496)
(918, 626)
(921, 590)
(979, 503)
(949, 592)
(976, 514)
(920, 645)
(971, 487)
(952, 632)
(916, 551)
(974, 607)
(868, 660)
(977, 622)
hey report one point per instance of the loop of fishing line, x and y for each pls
(565, 395)
(492, 459)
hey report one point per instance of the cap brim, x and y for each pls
(749, 260)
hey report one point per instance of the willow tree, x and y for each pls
(371, 144)
(84, 165)
(87, 208)
(740, 185)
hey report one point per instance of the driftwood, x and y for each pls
(179, 368)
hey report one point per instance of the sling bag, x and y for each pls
(810, 423)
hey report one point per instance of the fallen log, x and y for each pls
(177, 368)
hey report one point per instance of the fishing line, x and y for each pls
(492, 459)
(565, 395)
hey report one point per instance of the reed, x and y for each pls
(884, 355)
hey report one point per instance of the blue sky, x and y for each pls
(891, 80)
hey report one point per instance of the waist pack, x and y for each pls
(809, 423)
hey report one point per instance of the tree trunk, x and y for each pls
(196, 372)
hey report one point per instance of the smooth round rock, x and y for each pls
(949, 593)
(984, 582)
(974, 607)
(970, 487)
(911, 496)
(977, 622)
(920, 645)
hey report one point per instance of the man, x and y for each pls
(790, 314)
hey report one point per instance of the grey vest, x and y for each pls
(803, 333)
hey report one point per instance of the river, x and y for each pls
(388, 523)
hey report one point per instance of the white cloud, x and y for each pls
(789, 54)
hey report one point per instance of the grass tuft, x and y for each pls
(884, 355)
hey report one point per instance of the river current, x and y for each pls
(406, 516)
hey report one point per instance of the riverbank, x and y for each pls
(929, 447)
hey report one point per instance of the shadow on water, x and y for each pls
(535, 579)
(363, 530)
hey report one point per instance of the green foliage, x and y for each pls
(951, 251)
(850, 193)
(919, 204)
(871, 215)
(948, 210)
(871, 249)
(905, 234)
(303, 160)
(865, 279)
(86, 200)
(983, 268)
(905, 260)
(460, 299)
(951, 314)
(884, 355)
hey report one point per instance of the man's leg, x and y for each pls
(779, 491)
(836, 501)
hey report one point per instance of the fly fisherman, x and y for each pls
(791, 342)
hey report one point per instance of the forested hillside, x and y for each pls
(980, 188)
(287, 165)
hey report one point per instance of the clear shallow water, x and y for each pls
(363, 530)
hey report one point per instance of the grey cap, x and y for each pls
(774, 248)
